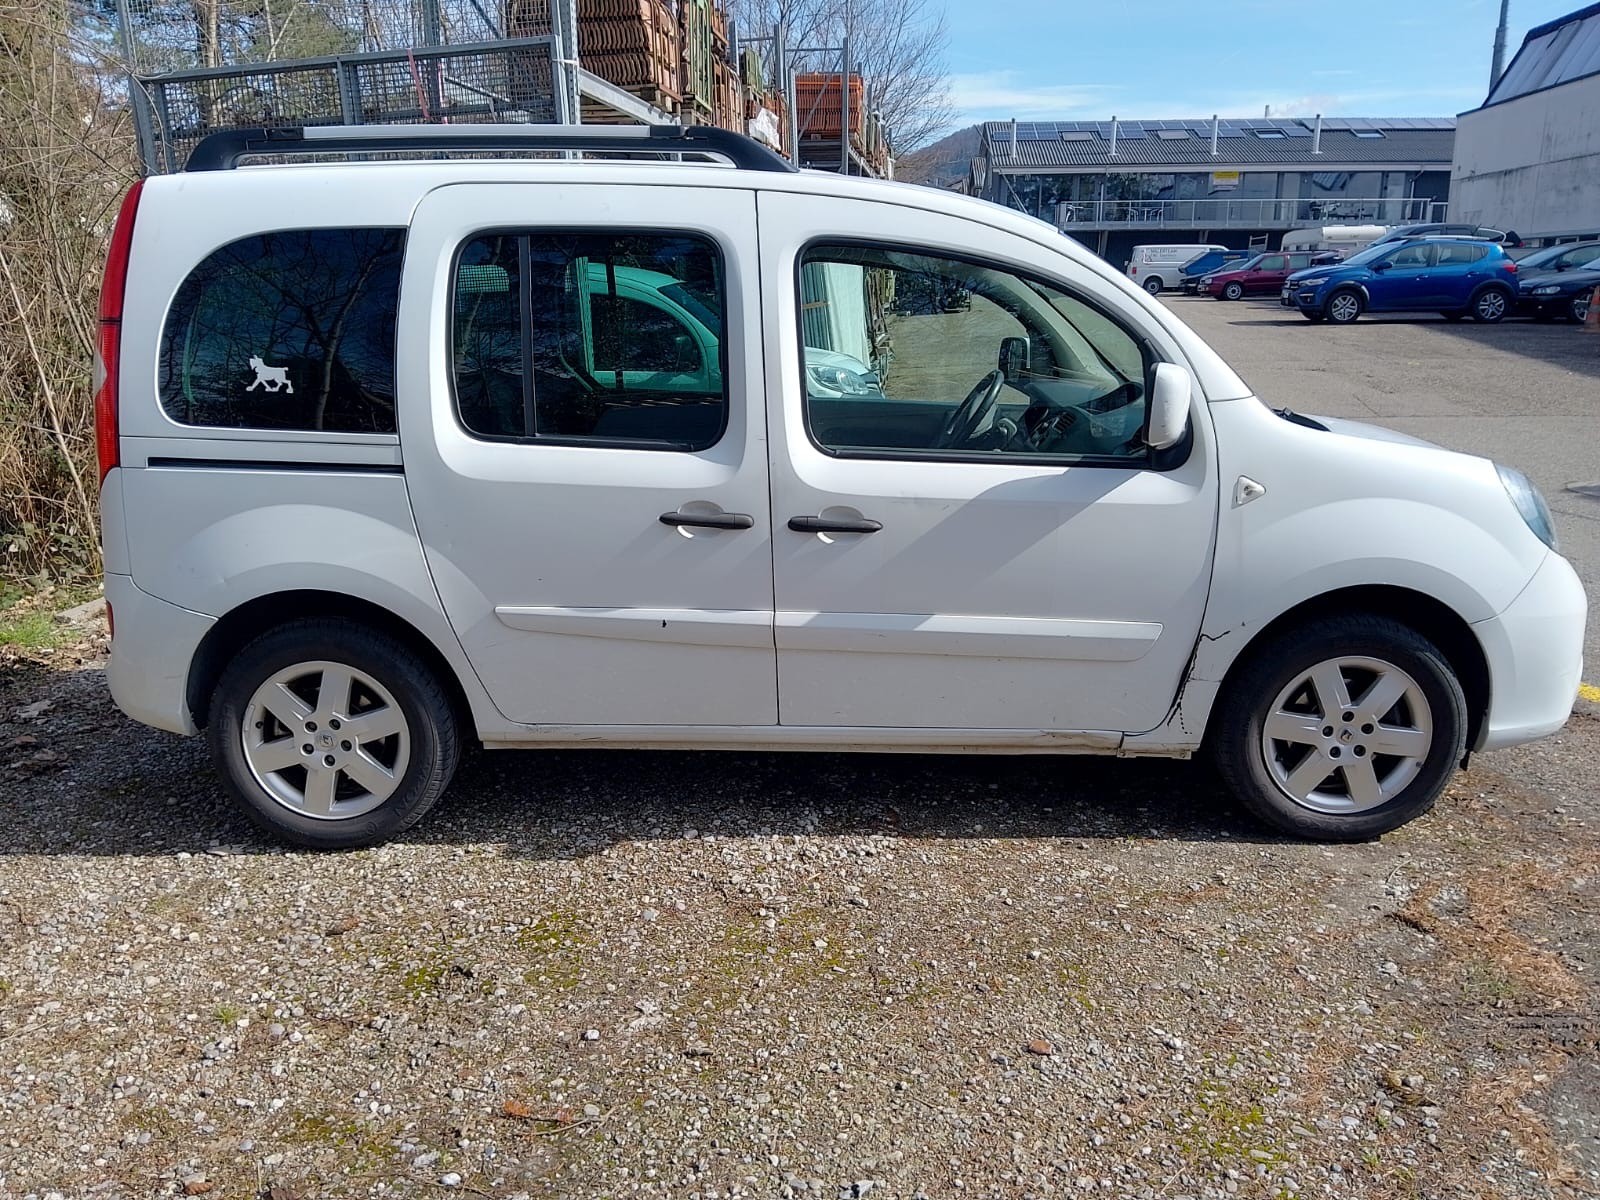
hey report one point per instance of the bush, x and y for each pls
(69, 156)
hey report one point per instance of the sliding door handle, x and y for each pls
(829, 525)
(679, 520)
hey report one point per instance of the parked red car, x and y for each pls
(1262, 275)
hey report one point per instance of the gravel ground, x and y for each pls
(603, 974)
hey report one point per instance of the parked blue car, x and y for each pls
(1451, 276)
(1190, 274)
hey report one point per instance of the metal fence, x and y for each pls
(1247, 214)
(506, 81)
(204, 65)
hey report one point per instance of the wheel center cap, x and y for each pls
(327, 739)
(1346, 736)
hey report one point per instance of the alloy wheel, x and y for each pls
(1347, 736)
(325, 740)
(1491, 306)
(1344, 307)
(1580, 307)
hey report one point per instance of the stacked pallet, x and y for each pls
(817, 99)
(699, 86)
(634, 44)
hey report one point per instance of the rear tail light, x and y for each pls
(1133, 270)
(113, 287)
(1511, 266)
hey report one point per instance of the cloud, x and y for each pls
(994, 95)
(1001, 95)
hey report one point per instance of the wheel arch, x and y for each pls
(241, 625)
(1432, 618)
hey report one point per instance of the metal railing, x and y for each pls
(1223, 213)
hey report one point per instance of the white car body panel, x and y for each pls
(1002, 608)
(551, 559)
(1021, 571)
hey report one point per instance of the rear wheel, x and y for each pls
(1344, 306)
(330, 734)
(1491, 305)
(1233, 291)
(1342, 731)
(1153, 285)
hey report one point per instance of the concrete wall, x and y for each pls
(1532, 164)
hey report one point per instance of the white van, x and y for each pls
(1157, 267)
(397, 455)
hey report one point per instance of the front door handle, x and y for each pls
(828, 525)
(679, 520)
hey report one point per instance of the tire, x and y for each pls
(277, 681)
(1578, 308)
(1344, 306)
(1153, 285)
(1365, 792)
(1490, 306)
(1233, 291)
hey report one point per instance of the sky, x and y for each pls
(1095, 59)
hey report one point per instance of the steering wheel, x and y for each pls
(968, 418)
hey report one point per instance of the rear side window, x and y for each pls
(1461, 253)
(287, 330)
(594, 338)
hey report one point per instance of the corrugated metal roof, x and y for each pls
(1415, 142)
(1557, 52)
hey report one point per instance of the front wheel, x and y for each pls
(1233, 291)
(1578, 308)
(1491, 306)
(1343, 306)
(330, 734)
(1344, 731)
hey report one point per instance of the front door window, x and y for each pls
(914, 355)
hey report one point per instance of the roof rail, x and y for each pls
(221, 151)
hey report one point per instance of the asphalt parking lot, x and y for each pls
(597, 974)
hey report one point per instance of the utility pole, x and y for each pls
(1498, 65)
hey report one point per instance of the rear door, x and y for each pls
(588, 464)
(943, 562)
(1459, 267)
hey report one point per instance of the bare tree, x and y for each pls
(66, 162)
(898, 46)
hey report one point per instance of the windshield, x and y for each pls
(1371, 252)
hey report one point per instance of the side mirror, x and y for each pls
(1382, 265)
(1170, 397)
(1015, 357)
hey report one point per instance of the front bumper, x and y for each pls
(1535, 655)
(151, 651)
(1304, 298)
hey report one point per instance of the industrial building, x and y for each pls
(1114, 184)
(1529, 158)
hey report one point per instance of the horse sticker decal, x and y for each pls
(274, 379)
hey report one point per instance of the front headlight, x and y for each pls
(1549, 289)
(837, 379)
(1529, 503)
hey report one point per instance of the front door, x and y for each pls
(579, 403)
(1407, 282)
(967, 530)
(1268, 275)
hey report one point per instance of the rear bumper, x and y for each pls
(150, 655)
(1535, 654)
